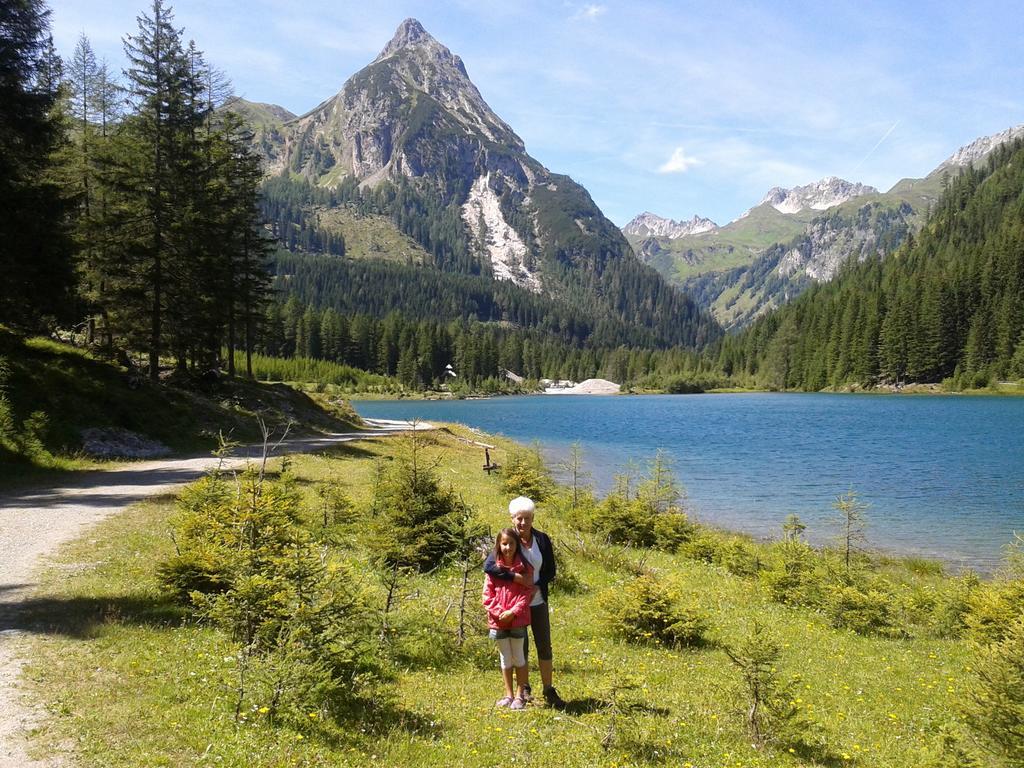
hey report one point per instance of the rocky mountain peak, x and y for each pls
(411, 37)
(648, 224)
(977, 149)
(820, 195)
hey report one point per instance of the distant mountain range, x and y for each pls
(795, 237)
(649, 225)
(463, 186)
(827, 193)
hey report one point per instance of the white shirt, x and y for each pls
(535, 559)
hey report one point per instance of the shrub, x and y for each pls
(645, 611)
(953, 606)
(672, 529)
(913, 605)
(792, 578)
(739, 557)
(682, 385)
(993, 609)
(199, 570)
(568, 581)
(247, 566)
(865, 612)
(951, 751)
(995, 706)
(525, 474)
(26, 439)
(417, 516)
(702, 548)
(335, 505)
(620, 521)
(659, 487)
(634, 522)
(851, 522)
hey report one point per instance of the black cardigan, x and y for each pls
(547, 566)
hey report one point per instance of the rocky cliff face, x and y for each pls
(648, 225)
(819, 196)
(412, 112)
(831, 241)
(782, 271)
(977, 149)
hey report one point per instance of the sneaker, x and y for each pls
(527, 694)
(504, 701)
(517, 703)
(552, 698)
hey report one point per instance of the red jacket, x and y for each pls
(502, 595)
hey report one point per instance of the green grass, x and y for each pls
(129, 681)
(736, 244)
(372, 236)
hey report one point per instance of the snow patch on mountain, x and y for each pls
(819, 196)
(508, 253)
(976, 150)
(648, 224)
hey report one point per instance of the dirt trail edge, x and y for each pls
(35, 522)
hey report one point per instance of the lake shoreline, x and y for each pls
(1004, 389)
(938, 472)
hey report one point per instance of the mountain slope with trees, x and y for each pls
(410, 138)
(774, 252)
(948, 304)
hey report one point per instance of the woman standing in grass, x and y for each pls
(538, 552)
(508, 614)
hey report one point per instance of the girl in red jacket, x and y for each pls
(508, 615)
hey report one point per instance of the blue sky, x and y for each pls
(673, 107)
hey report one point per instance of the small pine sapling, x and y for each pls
(774, 713)
(793, 528)
(574, 469)
(852, 522)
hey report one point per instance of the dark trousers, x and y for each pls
(540, 625)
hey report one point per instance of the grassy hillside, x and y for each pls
(130, 679)
(262, 117)
(371, 236)
(51, 392)
(736, 244)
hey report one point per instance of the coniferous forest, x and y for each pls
(129, 204)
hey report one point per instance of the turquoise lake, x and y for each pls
(944, 476)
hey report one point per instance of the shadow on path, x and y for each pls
(78, 617)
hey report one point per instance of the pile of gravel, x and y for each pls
(588, 387)
(117, 443)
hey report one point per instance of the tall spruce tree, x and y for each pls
(144, 169)
(36, 251)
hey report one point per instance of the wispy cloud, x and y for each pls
(679, 162)
(589, 12)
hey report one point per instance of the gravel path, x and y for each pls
(35, 522)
